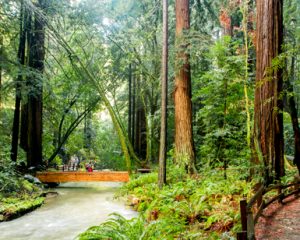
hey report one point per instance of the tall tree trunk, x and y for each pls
(133, 108)
(88, 131)
(129, 127)
(35, 102)
(1, 61)
(245, 24)
(24, 106)
(164, 101)
(140, 122)
(184, 144)
(268, 121)
(137, 122)
(21, 59)
(294, 114)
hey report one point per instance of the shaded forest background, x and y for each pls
(84, 76)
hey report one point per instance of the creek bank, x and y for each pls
(12, 208)
(76, 207)
(26, 197)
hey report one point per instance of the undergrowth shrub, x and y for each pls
(17, 195)
(204, 206)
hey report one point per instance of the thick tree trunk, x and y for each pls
(164, 101)
(184, 145)
(268, 122)
(21, 59)
(24, 127)
(35, 102)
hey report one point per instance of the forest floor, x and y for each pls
(280, 221)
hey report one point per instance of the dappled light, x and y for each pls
(149, 119)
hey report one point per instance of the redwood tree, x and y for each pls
(31, 126)
(268, 121)
(184, 145)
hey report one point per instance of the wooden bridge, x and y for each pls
(73, 176)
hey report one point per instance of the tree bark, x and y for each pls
(137, 122)
(35, 98)
(129, 127)
(268, 121)
(140, 122)
(21, 59)
(184, 144)
(133, 109)
(164, 101)
(24, 106)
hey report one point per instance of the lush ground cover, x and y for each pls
(204, 206)
(17, 195)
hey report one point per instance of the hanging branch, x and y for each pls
(71, 128)
(66, 111)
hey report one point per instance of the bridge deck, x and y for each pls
(58, 177)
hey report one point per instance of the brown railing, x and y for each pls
(251, 211)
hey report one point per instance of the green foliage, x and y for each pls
(186, 208)
(221, 119)
(17, 196)
(90, 45)
(9, 180)
(117, 227)
(14, 207)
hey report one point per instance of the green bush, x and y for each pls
(205, 206)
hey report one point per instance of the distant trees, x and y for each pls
(98, 49)
(268, 121)
(184, 143)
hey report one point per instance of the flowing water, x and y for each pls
(76, 207)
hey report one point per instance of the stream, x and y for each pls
(76, 207)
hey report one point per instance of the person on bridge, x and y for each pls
(89, 167)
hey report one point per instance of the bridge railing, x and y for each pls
(252, 210)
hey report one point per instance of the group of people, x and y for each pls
(74, 165)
